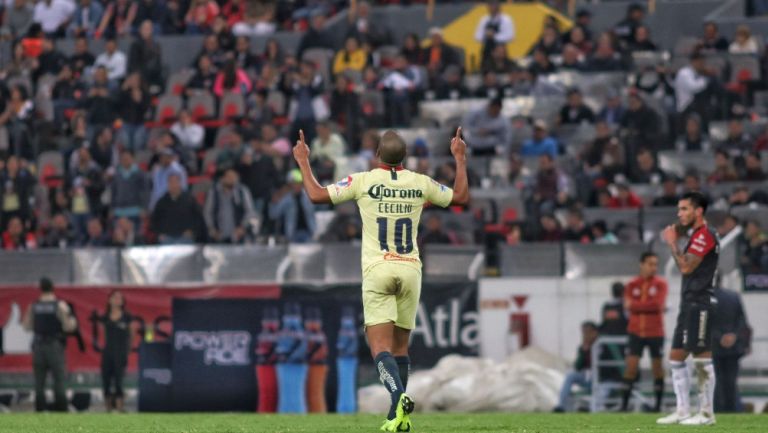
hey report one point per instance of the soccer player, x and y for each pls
(645, 298)
(698, 264)
(390, 199)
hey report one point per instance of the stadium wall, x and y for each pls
(554, 308)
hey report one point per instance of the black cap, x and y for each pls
(583, 13)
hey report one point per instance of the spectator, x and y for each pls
(624, 198)
(95, 235)
(328, 144)
(168, 165)
(646, 170)
(581, 368)
(451, 85)
(346, 109)
(572, 59)
(541, 64)
(626, 28)
(400, 86)
(17, 19)
(229, 210)
(234, 11)
(488, 132)
(85, 184)
(754, 253)
(724, 169)
(496, 28)
(151, 10)
(641, 124)
(113, 60)
(575, 111)
(244, 58)
(669, 195)
(129, 190)
(583, 23)
(579, 40)
(82, 59)
(614, 319)
(173, 20)
(366, 156)
(256, 22)
(439, 55)
(117, 20)
(16, 117)
(307, 106)
(550, 186)
(739, 196)
(134, 101)
(103, 149)
(212, 48)
(729, 223)
(50, 60)
(711, 40)
(412, 51)
(86, 18)
(491, 87)
(731, 335)
(576, 230)
(200, 16)
(100, 102)
(549, 42)
(350, 57)
(738, 142)
(605, 58)
(365, 29)
(691, 83)
(601, 234)
(258, 173)
(541, 143)
(59, 234)
(604, 156)
(316, 37)
(434, 232)
(124, 234)
(277, 145)
(189, 133)
(204, 77)
(292, 212)
(17, 192)
(232, 79)
(549, 229)
(16, 238)
(642, 40)
(145, 57)
(743, 42)
(693, 139)
(753, 170)
(498, 62)
(53, 16)
(177, 218)
(613, 111)
(273, 53)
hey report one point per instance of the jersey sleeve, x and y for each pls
(701, 243)
(346, 189)
(438, 194)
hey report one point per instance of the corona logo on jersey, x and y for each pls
(380, 192)
(223, 348)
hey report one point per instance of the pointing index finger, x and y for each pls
(458, 132)
(301, 135)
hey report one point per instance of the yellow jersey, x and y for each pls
(390, 202)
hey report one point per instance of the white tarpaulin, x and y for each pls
(527, 381)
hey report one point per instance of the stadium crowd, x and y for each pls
(94, 155)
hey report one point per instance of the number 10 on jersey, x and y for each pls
(403, 235)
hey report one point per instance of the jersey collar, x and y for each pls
(398, 167)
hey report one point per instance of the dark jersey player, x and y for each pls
(698, 264)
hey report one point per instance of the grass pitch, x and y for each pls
(242, 423)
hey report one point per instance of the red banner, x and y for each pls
(148, 304)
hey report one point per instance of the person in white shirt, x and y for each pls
(744, 42)
(189, 133)
(53, 15)
(690, 81)
(113, 60)
(496, 28)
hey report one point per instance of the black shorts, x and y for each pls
(693, 331)
(637, 344)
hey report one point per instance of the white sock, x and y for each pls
(705, 375)
(682, 386)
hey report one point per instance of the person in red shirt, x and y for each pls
(645, 299)
(624, 198)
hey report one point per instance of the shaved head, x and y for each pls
(391, 148)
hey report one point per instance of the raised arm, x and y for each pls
(316, 193)
(460, 184)
(686, 262)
